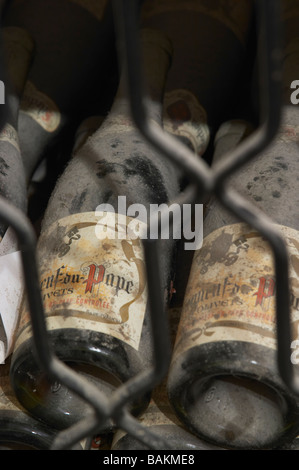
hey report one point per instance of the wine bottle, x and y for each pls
(74, 57)
(86, 128)
(93, 282)
(210, 40)
(16, 54)
(17, 50)
(224, 381)
(18, 430)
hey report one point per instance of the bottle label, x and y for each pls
(184, 116)
(234, 15)
(10, 135)
(95, 7)
(231, 289)
(91, 281)
(40, 108)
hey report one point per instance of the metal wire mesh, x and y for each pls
(203, 182)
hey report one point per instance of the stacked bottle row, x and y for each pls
(223, 389)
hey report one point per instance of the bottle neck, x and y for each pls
(209, 43)
(17, 54)
(235, 16)
(156, 57)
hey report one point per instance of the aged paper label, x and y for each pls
(231, 289)
(89, 280)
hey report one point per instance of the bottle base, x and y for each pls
(101, 360)
(231, 394)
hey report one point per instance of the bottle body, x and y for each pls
(92, 265)
(231, 392)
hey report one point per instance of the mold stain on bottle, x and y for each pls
(3, 167)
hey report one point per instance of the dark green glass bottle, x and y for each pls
(94, 285)
(159, 418)
(224, 381)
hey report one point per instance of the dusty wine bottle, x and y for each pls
(92, 280)
(207, 62)
(16, 54)
(74, 51)
(17, 49)
(224, 381)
